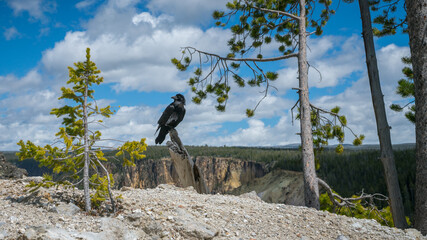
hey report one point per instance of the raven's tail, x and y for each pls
(162, 134)
(157, 130)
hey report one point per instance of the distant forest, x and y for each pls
(347, 173)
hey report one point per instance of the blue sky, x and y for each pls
(132, 43)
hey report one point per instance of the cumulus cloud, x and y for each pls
(141, 64)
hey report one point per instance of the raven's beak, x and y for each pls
(175, 98)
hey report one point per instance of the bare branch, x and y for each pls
(109, 183)
(77, 183)
(337, 200)
(310, 33)
(292, 109)
(102, 147)
(409, 103)
(244, 59)
(320, 74)
(110, 139)
(71, 156)
(266, 88)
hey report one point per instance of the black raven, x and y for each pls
(171, 117)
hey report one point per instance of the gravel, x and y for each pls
(168, 212)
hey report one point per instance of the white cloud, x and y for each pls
(11, 33)
(35, 8)
(12, 84)
(25, 106)
(131, 123)
(25, 115)
(85, 4)
(257, 134)
(389, 58)
(347, 59)
(332, 60)
(146, 17)
(187, 11)
(142, 63)
(39, 134)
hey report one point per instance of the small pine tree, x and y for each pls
(78, 151)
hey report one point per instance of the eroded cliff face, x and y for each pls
(146, 173)
(221, 175)
(278, 186)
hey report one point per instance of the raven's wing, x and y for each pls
(181, 115)
(173, 120)
(166, 115)
(177, 116)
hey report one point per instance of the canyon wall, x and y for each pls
(221, 175)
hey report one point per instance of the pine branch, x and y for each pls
(243, 59)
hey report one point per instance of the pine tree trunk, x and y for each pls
(311, 187)
(417, 26)
(387, 155)
(86, 153)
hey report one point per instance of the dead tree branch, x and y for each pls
(339, 201)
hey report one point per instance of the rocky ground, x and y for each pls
(168, 212)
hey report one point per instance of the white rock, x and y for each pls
(341, 237)
(356, 225)
(69, 209)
